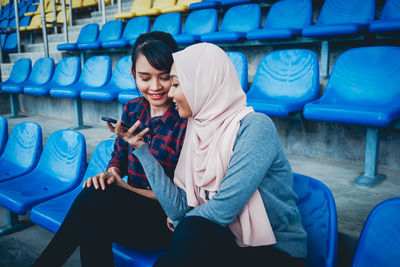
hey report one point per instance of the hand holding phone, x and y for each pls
(123, 124)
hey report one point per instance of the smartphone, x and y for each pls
(123, 124)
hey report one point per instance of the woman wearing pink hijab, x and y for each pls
(231, 200)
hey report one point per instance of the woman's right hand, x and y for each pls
(112, 175)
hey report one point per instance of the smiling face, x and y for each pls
(154, 85)
(178, 97)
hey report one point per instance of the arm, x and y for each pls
(256, 147)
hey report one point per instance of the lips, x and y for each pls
(156, 96)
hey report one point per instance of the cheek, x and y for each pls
(142, 86)
(166, 84)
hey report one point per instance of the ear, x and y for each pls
(133, 73)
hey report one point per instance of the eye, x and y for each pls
(145, 79)
(175, 85)
(165, 78)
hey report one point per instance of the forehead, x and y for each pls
(143, 65)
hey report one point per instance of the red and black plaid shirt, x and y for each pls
(165, 139)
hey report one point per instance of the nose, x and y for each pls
(171, 92)
(155, 84)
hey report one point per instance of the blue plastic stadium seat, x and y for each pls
(284, 82)
(87, 35)
(110, 31)
(121, 79)
(126, 95)
(379, 241)
(340, 17)
(355, 92)
(41, 73)
(284, 20)
(60, 169)
(240, 62)
(237, 21)
(133, 29)
(10, 44)
(22, 151)
(169, 22)
(3, 133)
(318, 216)
(96, 73)
(197, 23)
(389, 20)
(19, 74)
(50, 214)
(233, 2)
(67, 73)
(205, 4)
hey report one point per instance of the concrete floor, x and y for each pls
(353, 203)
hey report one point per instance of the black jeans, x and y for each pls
(199, 242)
(98, 218)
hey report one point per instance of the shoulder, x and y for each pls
(257, 124)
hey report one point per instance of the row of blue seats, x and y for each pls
(8, 11)
(49, 180)
(285, 19)
(9, 37)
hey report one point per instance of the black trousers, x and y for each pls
(199, 242)
(98, 218)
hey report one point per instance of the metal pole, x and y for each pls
(55, 16)
(46, 46)
(98, 5)
(103, 10)
(64, 21)
(119, 6)
(17, 25)
(70, 12)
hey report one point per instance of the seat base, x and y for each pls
(368, 181)
(14, 224)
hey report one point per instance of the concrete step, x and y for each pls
(98, 20)
(111, 10)
(6, 69)
(40, 47)
(56, 55)
(59, 38)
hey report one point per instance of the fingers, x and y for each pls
(134, 128)
(112, 128)
(98, 181)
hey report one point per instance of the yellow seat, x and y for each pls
(37, 22)
(181, 6)
(59, 19)
(76, 4)
(37, 11)
(158, 5)
(87, 3)
(137, 5)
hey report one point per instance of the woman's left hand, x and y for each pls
(136, 140)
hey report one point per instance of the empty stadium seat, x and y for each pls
(284, 20)
(60, 169)
(36, 23)
(87, 35)
(389, 20)
(50, 214)
(22, 151)
(111, 30)
(126, 95)
(24, 22)
(240, 62)
(284, 82)
(180, 6)
(233, 2)
(379, 241)
(339, 18)
(170, 22)
(41, 73)
(318, 216)
(158, 5)
(19, 74)
(237, 21)
(204, 4)
(364, 88)
(137, 5)
(133, 29)
(121, 79)
(197, 23)
(66, 73)
(10, 44)
(3, 133)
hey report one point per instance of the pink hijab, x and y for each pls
(211, 86)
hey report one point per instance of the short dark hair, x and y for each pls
(157, 47)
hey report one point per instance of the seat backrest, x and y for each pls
(99, 159)
(136, 27)
(11, 42)
(63, 156)
(240, 62)
(391, 10)
(161, 4)
(169, 22)
(24, 145)
(42, 71)
(201, 22)
(287, 74)
(138, 5)
(345, 11)
(366, 77)
(242, 18)
(289, 14)
(318, 216)
(36, 20)
(21, 70)
(67, 71)
(96, 71)
(379, 242)
(112, 30)
(25, 21)
(122, 77)
(3, 133)
(186, 2)
(88, 33)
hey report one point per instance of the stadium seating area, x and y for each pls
(362, 88)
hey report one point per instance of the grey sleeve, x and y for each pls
(171, 197)
(257, 145)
